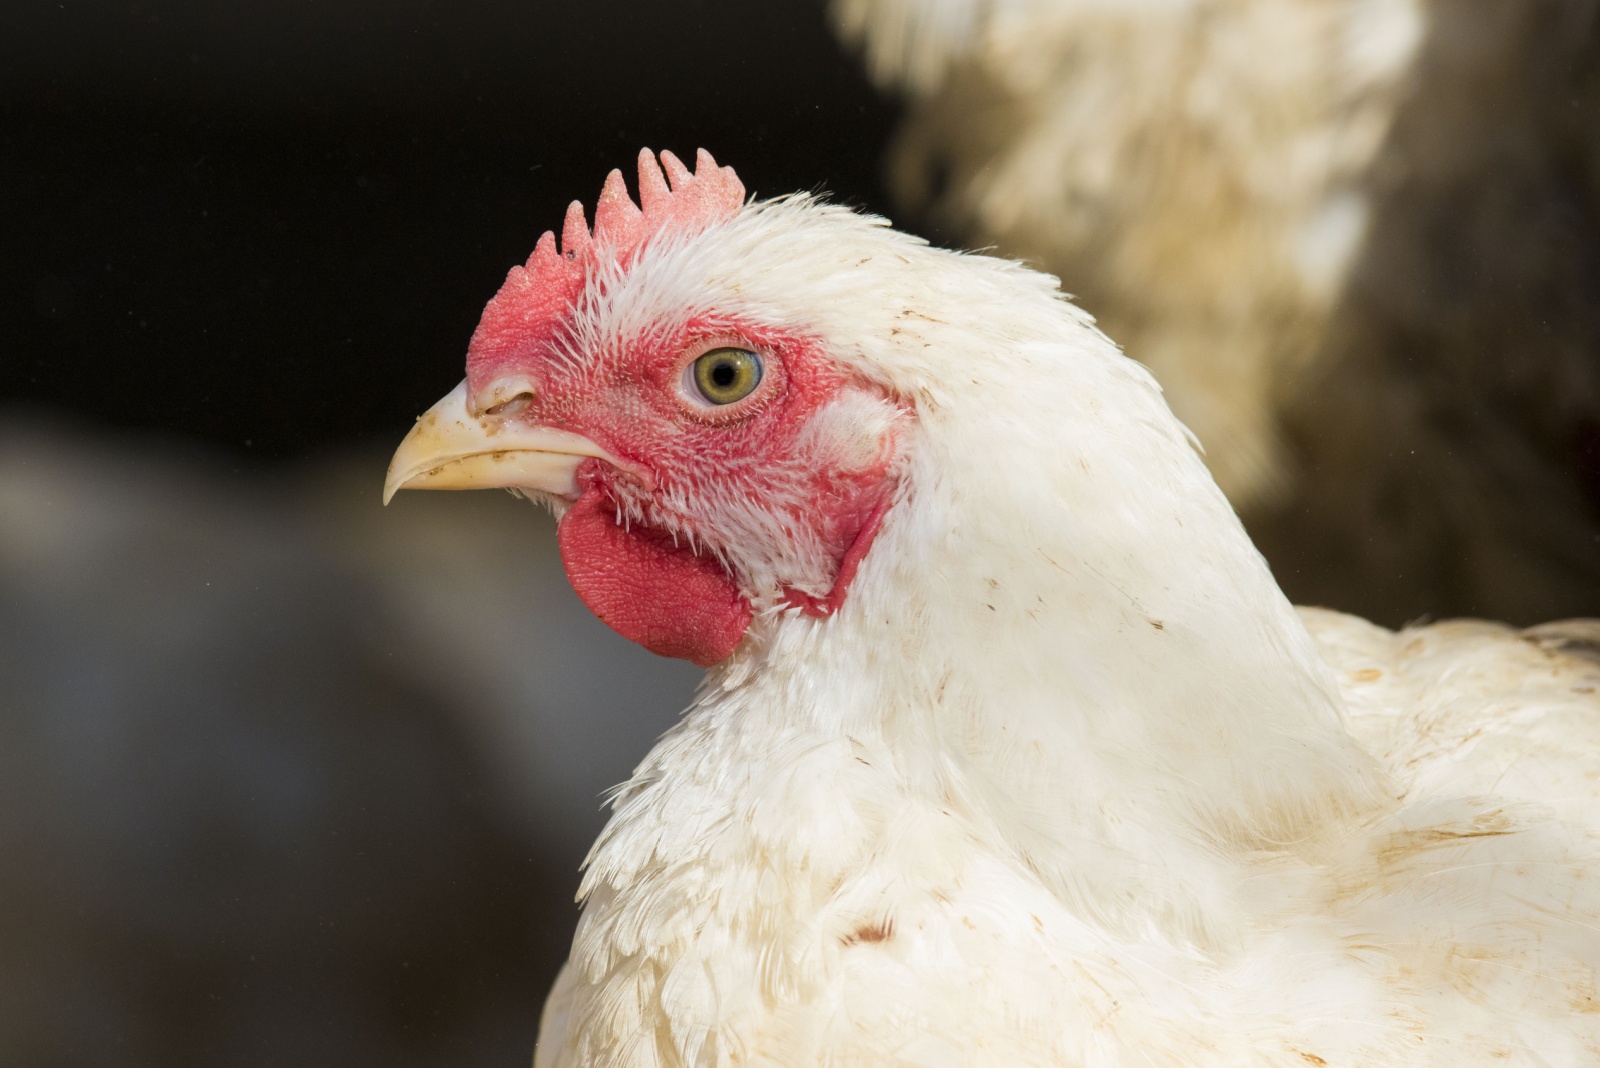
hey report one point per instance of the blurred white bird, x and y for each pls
(1357, 241)
(1011, 751)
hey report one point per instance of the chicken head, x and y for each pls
(704, 465)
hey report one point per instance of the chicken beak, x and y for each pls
(450, 448)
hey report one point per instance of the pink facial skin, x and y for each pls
(702, 496)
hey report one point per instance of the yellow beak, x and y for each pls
(450, 448)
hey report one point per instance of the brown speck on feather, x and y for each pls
(1485, 825)
(870, 933)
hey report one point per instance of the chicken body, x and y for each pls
(1058, 776)
(1354, 239)
(891, 926)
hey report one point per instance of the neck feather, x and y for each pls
(1063, 633)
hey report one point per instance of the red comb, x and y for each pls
(536, 296)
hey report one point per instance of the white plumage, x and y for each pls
(1197, 170)
(1355, 240)
(1067, 781)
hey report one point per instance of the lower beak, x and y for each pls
(450, 449)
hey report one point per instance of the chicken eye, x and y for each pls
(723, 376)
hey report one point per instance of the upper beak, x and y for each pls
(451, 448)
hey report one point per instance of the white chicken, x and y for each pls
(1011, 751)
(1356, 241)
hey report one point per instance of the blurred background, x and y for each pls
(288, 778)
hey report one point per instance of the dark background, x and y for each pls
(287, 779)
(271, 224)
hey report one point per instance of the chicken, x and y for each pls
(1011, 751)
(1356, 241)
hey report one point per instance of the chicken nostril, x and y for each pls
(513, 406)
(508, 395)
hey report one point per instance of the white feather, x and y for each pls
(1199, 170)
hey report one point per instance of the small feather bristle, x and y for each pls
(538, 295)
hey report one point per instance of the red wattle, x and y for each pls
(649, 590)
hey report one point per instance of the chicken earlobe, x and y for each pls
(648, 588)
(823, 607)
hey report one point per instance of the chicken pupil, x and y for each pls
(723, 374)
